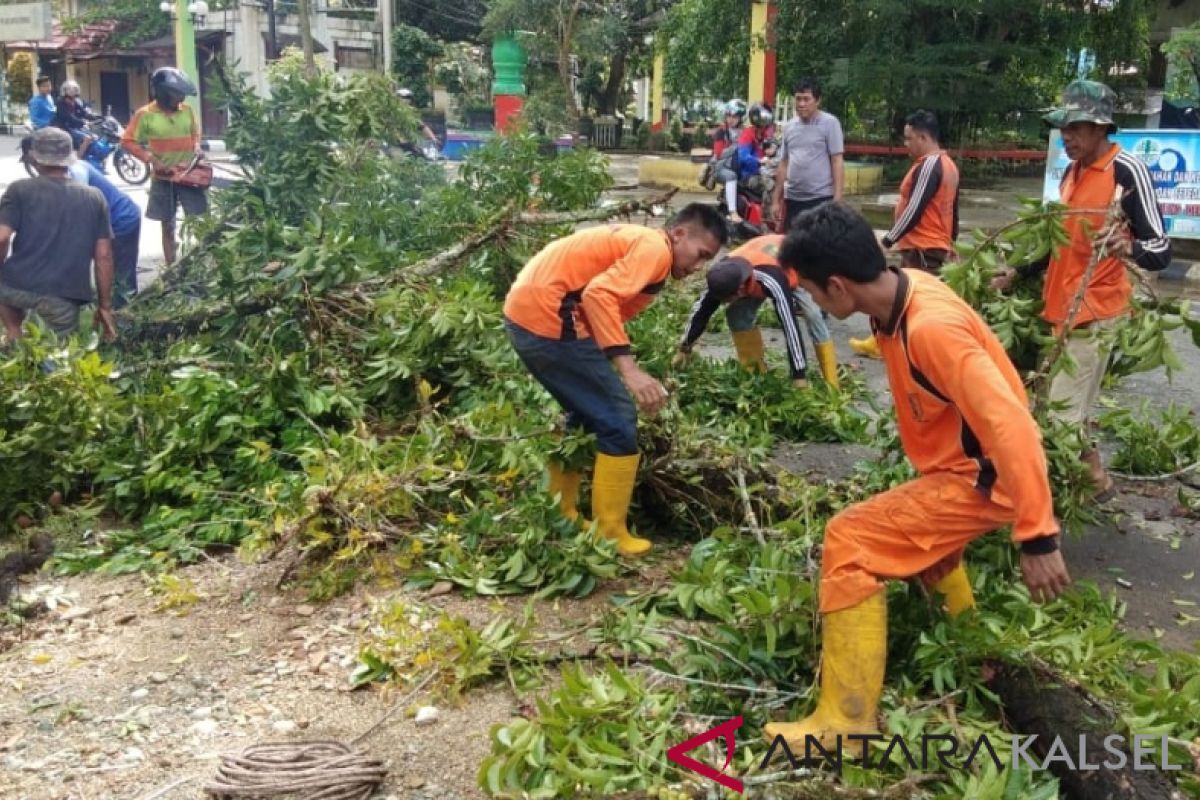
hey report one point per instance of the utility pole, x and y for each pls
(386, 15)
(185, 53)
(272, 38)
(306, 40)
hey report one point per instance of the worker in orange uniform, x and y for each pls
(964, 423)
(926, 222)
(565, 315)
(1099, 172)
(745, 279)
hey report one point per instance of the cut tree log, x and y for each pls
(1038, 702)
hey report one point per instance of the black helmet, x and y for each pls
(171, 80)
(761, 116)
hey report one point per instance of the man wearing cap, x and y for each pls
(745, 278)
(1099, 174)
(60, 229)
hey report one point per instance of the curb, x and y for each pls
(1181, 272)
(668, 173)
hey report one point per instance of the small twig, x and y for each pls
(714, 685)
(703, 643)
(751, 518)
(1164, 477)
(157, 793)
(395, 707)
(776, 777)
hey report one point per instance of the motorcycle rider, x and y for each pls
(165, 133)
(72, 116)
(407, 96)
(723, 168)
(41, 106)
(750, 153)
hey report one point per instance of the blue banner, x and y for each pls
(1173, 158)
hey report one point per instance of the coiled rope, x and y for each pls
(322, 770)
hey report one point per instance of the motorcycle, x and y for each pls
(106, 133)
(754, 196)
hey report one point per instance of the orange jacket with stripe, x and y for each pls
(1109, 292)
(589, 284)
(960, 404)
(174, 137)
(763, 251)
(927, 214)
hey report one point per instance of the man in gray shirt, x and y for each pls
(60, 229)
(811, 158)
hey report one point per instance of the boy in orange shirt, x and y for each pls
(565, 315)
(965, 424)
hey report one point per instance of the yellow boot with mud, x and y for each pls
(868, 347)
(751, 352)
(956, 588)
(612, 489)
(566, 485)
(827, 358)
(852, 664)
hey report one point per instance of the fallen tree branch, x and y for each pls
(195, 320)
(593, 214)
(1041, 702)
(1164, 477)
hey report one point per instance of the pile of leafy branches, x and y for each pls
(324, 377)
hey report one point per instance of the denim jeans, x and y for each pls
(125, 262)
(813, 318)
(742, 313)
(579, 376)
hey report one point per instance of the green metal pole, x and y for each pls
(185, 51)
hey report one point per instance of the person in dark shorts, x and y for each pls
(165, 133)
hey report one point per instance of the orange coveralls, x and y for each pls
(965, 424)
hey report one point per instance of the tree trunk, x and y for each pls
(616, 81)
(1040, 703)
(566, 36)
(306, 40)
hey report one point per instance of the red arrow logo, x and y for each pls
(725, 729)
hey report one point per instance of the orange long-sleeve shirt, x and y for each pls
(1109, 293)
(960, 404)
(589, 284)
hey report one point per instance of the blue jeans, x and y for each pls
(742, 314)
(579, 376)
(813, 318)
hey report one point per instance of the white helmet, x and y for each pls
(69, 89)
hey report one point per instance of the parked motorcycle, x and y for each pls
(106, 132)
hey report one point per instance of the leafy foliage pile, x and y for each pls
(324, 377)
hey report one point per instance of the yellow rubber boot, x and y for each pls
(827, 358)
(852, 664)
(957, 590)
(566, 486)
(866, 347)
(751, 351)
(612, 489)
